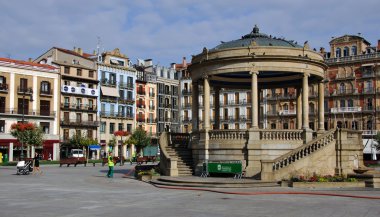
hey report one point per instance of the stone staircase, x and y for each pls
(184, 159)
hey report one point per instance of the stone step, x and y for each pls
(194, 181)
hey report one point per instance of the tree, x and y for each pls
(28, 134)
(81, 141)
(140, 138)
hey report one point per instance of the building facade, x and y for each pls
(167, 99)
(146, 84)
(29, 92)
(117, 99)
(78, 95)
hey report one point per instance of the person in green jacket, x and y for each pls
(133, 158)
(110, 166)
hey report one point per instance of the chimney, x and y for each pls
(75, 50)
(322, 50)
(80, 51)
(184, 64)
(378, 44)
(30, 60)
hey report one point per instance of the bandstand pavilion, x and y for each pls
(258, 61)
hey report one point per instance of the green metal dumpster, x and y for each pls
(227, 167)
(5, 160)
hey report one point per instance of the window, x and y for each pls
(338, 52)
(45, 127)
(79, 72)
(66, 134)
(120, 126)
(66, 116)
(90, 117)
(129, 127)
(354, 50)
(91, 86)
(23, 106)
(2, 104)
(23, 84)
(78, 132)
(129, 95)
(346, 52)
(91, 74)
(103, 127)
(342, 88)
(3, 83)
(44, 107)
(112, 128)
(78, 117)
(90, 134)
(79, 103)
(273, 125)
(66, 83)
(2, 126)
(342, 103)
(350, 103)
(67, 70)
(130, 81)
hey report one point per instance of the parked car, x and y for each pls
(76, 153)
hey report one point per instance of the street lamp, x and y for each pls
(24, 91)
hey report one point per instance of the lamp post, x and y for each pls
(24, 92)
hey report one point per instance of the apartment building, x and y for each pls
(167, 99)
(117, 99)
(29, 92)
(146, 87)
(185, 97)
(78, 94)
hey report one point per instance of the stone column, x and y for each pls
(305, 101)
(307, 133)
(217, 107)
(195, 107)
(255, 106)
(321, 108)
(10, 152)
(299, 109)
(206, 89)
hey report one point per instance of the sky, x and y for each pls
(167, 30)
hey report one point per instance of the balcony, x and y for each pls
(186, 120)
(368, 75)
(152, 107)
(48, 92)
(109, 99)
(151, 120)
(186, 92)
(113, 114)
(27, 113)
(287, 112)
(346, 110)
(79, 123)
(3, 87)
(26, 90)
(108, 83)
(140, 119)
(368, 90)
(353, 58)
(344, 76)
(126, 85)
(78, 107)
(128, 101)
(66, 89)
(369, 132)
(141, 92)
(152, 94)
(140, 105)
(186, 105)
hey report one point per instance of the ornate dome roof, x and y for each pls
(256, 38)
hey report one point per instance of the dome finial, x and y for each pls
(255, 29)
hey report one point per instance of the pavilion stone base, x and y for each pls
(258, 149)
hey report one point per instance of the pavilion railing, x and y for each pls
(228, 134)
(281, 134)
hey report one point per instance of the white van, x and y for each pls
(76, 153)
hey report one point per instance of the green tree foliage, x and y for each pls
(140, 138)
(80, 141)
(28, 134)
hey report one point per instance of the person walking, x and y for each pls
(110, 165)
(36, 167)
(133, 158)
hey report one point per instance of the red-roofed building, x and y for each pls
(29, 91)
(78, 95)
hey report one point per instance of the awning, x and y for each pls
(109, 91)
(94, 147)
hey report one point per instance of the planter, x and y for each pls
(144, 178)
(327, 184)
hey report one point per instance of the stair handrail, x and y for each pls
(164, 140)
(282, 161)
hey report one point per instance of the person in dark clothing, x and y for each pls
(36, 167)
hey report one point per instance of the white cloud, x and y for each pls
(166, 30)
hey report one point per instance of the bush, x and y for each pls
(319, 178)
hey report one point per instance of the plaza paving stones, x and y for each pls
(85, 191)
